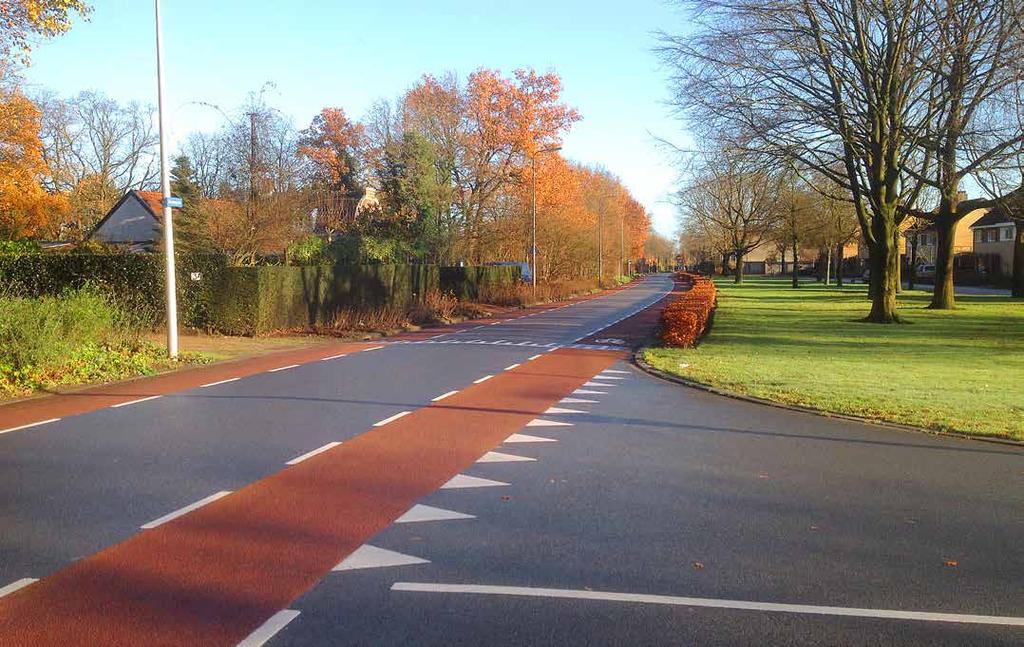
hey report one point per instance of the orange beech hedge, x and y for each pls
(685, 319)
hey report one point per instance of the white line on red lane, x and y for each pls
(269, 629)
(230, 379)
(509, 368)
(31, 424)
(17, 584)
(131, 402)
(327, 359)
(367, 350)
(400, 414)
(443, 396)
(483, 379)
(534, 357)
(318, 450)
(183, 511)
(672, 600)
(283, 368)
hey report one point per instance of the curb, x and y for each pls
(639, 362)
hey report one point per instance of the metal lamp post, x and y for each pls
(533, 247)
(165, 182)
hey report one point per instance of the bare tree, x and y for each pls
(208, 155)
(735, 197)
(831, 86)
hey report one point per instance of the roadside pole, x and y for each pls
(165, 182)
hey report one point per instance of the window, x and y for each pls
(1007, 233)
(977, 235)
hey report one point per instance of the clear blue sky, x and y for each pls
(349, 54)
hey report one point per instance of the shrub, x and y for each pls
(311, 250)
(685, 320)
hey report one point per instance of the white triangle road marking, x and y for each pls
(464, 481)
(560, 410)
(367, 556)
(601, 384)
(586, 392)
(540, 422)
(608, 377)
(526, 438)
(577, 401)
(612, 370)
(498, 457)
(420, 512)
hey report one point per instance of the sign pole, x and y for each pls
(165, 182)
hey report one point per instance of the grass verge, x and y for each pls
(958, 371)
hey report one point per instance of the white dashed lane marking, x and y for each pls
(389, 419)
(180, 512)
(131, 402)
(307, 455)
(30, 425)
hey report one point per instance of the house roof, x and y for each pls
(993, 217)
(151, 200)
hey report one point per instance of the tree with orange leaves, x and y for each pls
(26, 208)
(332, 144)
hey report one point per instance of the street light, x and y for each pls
(165, 182)
(533, 270)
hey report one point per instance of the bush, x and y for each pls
(311, 250)
(685, 320)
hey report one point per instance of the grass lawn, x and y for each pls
(216, 348)
(959, 370)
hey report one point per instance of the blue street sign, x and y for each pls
(174, 202)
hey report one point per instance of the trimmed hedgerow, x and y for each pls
(685, 320)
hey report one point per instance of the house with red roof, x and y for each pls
(135, 222)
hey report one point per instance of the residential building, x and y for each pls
(135, 222)
(963, 239)
(994, 235)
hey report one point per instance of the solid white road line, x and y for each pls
(464, 481)
(443, 396)
(31, 424)
(393, 418)
(483, 379)
(15, 585)
(283, 368)
(131, 402)
(420, 512)
(183, 511)
(318, 450)
(367, 350)
(327, 359)
(367, 556)
(509, 368)
(672, 600)
(269, 629)
(230, 379)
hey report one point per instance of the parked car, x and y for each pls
(925, 272)
(524, 269)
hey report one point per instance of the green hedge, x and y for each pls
(242, 300)
(135, 281)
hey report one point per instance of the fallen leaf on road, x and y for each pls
(698, 565)
(952, 563)
(505, 497)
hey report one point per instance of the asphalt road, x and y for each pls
(660, 516)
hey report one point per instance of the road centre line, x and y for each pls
(269, 629)
(183, 511)
(131, 402)
(443, 396)
(209, 384)
(31, 424)
(16, 584)
(672, 600)
(400, 414)
(318, 450)
(483, 379)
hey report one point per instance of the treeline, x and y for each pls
(891, 107)
(446, 173)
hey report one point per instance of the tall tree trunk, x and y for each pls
(828, 265)
(725, 263)
(796, 264)
(912, 274)
(884, 262)
(942, 296)
(782, 270)
(899, 260)
(1018, 261)
(737, 276)
(839, 265)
